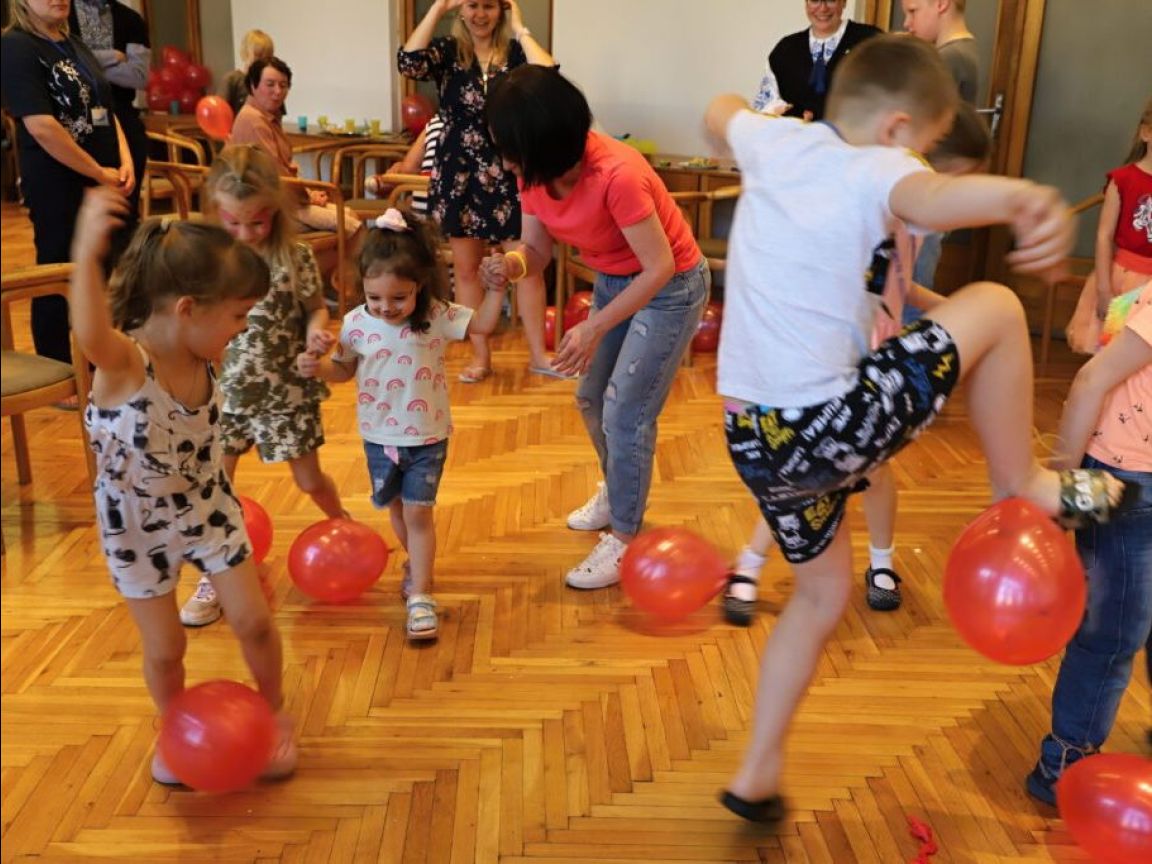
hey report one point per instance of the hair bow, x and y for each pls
(391, 220)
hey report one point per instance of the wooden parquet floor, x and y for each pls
(545, 725)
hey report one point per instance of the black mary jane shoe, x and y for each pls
(767, 810)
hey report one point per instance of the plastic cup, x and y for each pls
(302, 122)
(174, 107)
(323, 121)
(374, 126)
(349, 125)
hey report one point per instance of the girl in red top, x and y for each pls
(1123, 241)
(586, 189)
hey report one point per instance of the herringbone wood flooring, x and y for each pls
(545, 725)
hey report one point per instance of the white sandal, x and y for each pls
(422, 620)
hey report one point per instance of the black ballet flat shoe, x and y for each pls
(771, 809)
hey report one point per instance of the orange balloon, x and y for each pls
(337, 560)
(671, 572)
(1106, 802)
(259, 525)
(1013, 585)
(214, 116)
(217, 736)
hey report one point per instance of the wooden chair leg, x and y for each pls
(1046, 329)
(561, 295)
(20, 448)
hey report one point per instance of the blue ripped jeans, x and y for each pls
(1117, 623)
(623, 392)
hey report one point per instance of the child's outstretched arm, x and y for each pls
(720, 110)
(487, 315)
(103, 211)
(1121, 358)
(1038, 215)
(312, 365)
(1105, 247)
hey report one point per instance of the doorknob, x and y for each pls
(994, 114)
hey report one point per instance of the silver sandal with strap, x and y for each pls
(423, 622)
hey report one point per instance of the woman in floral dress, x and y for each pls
(471, 195)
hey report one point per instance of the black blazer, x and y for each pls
(791, 63)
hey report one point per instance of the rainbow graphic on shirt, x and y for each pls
(1119, 311)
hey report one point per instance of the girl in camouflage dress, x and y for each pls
(267, 403)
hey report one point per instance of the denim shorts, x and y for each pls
(414, 476)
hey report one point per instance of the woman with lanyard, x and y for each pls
(470, 195)
(68, 139)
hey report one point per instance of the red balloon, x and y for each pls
(214, 116)
(160, 96)
(1106, 802)
(550, 328)
(259, 526)
(671, 572)
(577, 308)
(170, 77)
(217, 736)
(415, 112)
(707, 338)
(337, 560)
(1013, 584)
(197, 77)
(173, 56)
(189, 98)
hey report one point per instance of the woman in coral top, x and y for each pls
(589, 190)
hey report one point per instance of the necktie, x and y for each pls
(818, 80)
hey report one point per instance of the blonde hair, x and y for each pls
(171, 259)
(893, 70)
(244, 171)
(1140, 148)
(21, 18)
(256, 45)
(501, 39)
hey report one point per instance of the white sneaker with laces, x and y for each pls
(203, 607)
(595, 514)
(602, 566)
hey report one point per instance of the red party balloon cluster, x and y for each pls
(177, 80)
(1106, 802)
(671, 572)
(1013, 584)
(337, 560)
(217, 736)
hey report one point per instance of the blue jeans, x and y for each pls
(415, 476)
(1117, 623)
(924, 271)
(624, 389)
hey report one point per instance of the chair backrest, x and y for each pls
(179, 147)
(319, 240)
(358, 156)
(186, 182)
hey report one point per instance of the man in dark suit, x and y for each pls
(804, 62)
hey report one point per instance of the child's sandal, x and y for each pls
(1084, 497)
(736, 610)
(422, 620)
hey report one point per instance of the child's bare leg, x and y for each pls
(164, 643)
(750, 560)
(880, 512)
(251, 620)
(987, 323)
(230, 463)
(466, 255)
(530, 300)
(396, 517)
(823, 586)
(421, 545)
(317, 485)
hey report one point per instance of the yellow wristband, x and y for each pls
(519, 256)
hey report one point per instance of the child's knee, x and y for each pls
(995, 298)
(168, 656)
(418, 517)
(252, 626)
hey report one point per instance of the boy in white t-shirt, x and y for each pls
(810, 410)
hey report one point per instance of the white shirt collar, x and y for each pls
(829, 44)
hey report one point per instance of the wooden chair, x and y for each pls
(157, 186)
(1052, 289)
(11, 155)
(699, 209)
(359, 157)
(31, 381)
(183, 184)
(327, 241)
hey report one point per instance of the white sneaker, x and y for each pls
(602, 566)
(203, 607)
(596, 513)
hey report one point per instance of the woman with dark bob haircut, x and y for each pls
(589, 190)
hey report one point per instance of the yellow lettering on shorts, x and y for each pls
(775, 435)
(943, 367)
(818, 513)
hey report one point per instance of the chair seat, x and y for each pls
(23, 373)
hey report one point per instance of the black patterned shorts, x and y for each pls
(802, 463)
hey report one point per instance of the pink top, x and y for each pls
(1123, 435)
(253, 126)
(617, 188)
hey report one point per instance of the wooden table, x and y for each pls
(679, 176)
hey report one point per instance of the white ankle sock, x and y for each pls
(749, 562)
(881, 559)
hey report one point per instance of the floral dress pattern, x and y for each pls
(470, 193)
